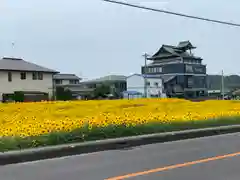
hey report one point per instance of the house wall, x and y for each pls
(118, 87)
(165, 68)
(195, 68)
(200, 82)
(189, 77)
(45, 85)
(167, 60)
(136, 83)
(66, 81)
(186, 83)
(115, 86)
(179, 68)
(191, 81)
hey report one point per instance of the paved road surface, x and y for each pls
(213, 158)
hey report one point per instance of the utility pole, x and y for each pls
(145, 73)
(222, 84)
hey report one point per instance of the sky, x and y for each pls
(92, 38)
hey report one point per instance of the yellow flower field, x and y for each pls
(31, 119)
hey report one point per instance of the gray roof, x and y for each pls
(147, 75)
(108, 78)
(186, 44)
(17, 64)
(66, 77)
(175, 51)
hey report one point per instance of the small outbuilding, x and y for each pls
(138, 85)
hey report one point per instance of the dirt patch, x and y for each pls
(64, 108)
(131, 105)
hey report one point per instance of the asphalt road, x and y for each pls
(212, 158)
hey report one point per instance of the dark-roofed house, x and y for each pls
(109, 78)
(117, 83)
(85, 89)
(183, 72)
(19, 75)
(65, 79)
(72, 83)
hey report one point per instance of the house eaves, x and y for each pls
(66, 77)
(110, 78)
(148, 76)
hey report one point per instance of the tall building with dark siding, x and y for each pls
(182, 72)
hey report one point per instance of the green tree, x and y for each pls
(63, 94)
(18, 96)
(101, 91)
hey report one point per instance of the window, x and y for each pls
(147, 83)
(149, 70)
(9, 77)
(190, 82)
(156, 84)
(34, 76)
(58, 81)
(159, 69)
(154, 70)
(23, 75)
(37, 76)
(146, 70)
(73, 81)
(189, 69)
(40, 76)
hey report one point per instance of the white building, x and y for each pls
(136, 89)
(19, 75)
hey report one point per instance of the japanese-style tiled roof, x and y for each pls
(180, 50)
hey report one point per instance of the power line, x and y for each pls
(173, 13)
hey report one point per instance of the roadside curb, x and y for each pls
(109, 144)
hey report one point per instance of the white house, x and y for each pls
(19, 75)
(135, 86)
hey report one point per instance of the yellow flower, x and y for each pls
(33, 119)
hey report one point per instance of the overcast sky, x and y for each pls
(93, 38)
